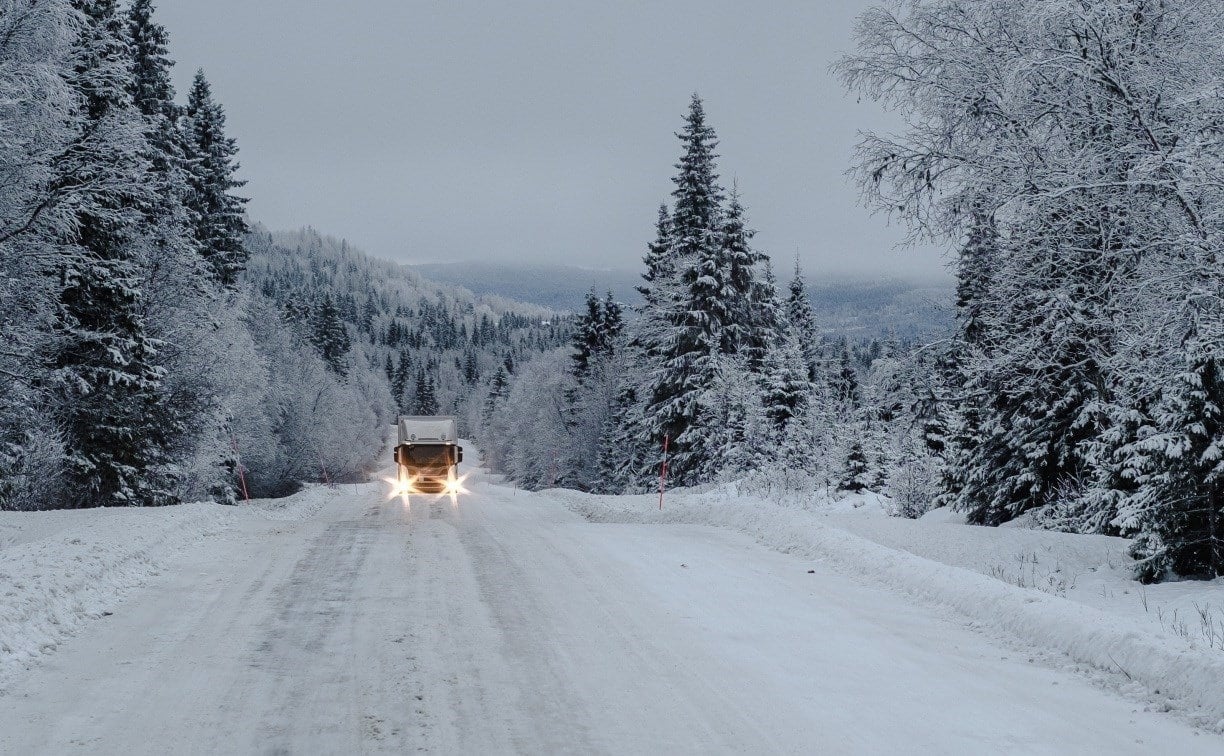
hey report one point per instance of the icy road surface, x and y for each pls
(509, 624)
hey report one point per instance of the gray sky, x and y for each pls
(541, 131)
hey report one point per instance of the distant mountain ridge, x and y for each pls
(558, 287)
(855, 307)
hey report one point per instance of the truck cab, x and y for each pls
(428, 453)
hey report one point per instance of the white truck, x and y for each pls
(428, 453)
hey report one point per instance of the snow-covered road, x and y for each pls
(509, 624)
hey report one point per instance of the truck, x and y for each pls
(428, 453)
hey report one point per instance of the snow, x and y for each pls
(1091, 570)
(337, 621)
(61, 569)
(1038, 588)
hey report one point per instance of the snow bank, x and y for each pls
(1169, 668)
(52, 585)
(61, 569)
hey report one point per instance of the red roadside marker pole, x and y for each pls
(326, 480)
(663, 470)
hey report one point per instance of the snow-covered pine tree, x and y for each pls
(499, 386)
(802, 320)
(591, 398)
(787, 397)
(471, 367)
(613, 322)
(963, 436)
(329, 334)
(787, 388)
(596, 333)
(1045, 389)
(856, 473)
(623, 457)
(179, 299)
(749, 322)
(104, 366)
(846, 383)
(1177, 461)
(659, 259)
(426, 400)
(588, 335)
(152, 92)
(739, 437)
(691, 326)
(399, 384)
(628, 446)
(217, 212)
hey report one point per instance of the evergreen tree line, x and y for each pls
(733, 374)
(1074, 152)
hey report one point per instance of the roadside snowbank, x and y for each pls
(61, 569)
(1169, 668)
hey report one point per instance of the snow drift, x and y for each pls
(59, 570)
(1168, 668)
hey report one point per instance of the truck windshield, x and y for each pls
(430, 456)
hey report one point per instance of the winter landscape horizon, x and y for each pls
(636, 378)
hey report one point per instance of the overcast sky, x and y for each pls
(539, 131)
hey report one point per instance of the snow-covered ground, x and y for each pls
(60, 569)
(1070, 597)
(340, 622)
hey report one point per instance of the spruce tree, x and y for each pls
(1177, 511)
(1044, 394)
(787, 388)
(847, 383)
(735, 260)
(751, 317)
(596, 332)
(399, 384)
(689, 336)
(612, 322)
(698, 197)
(426, 400)
(217, 212)
(623, 457)
(329, 334)
(975, 271)
(587, 335)
(152, 92)
(802, 321)
(856, 476)
(471, 368)
(499, 387)
(105, 374)
(660, 260)
(172, 272)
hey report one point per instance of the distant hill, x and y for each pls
(873, 308)
(855, 307)
(558, 287)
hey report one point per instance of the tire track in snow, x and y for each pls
(303, 664)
